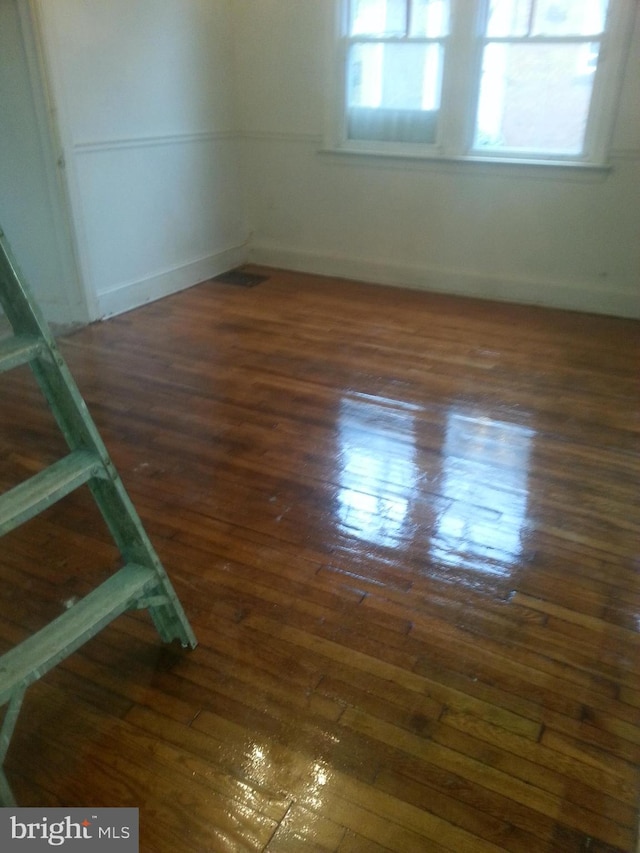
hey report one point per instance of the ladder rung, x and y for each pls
(36, 655)
(48, 486)
(18, 350)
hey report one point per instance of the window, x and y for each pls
(530, 80)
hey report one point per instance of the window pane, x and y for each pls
(546, 17)
(570, 17)
(535, 97)
(429, 18)
(399, 76)
(378, 17)
(509, 18)
(394, 91)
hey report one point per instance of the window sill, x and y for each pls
(504, 166)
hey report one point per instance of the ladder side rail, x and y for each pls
(67, 404)
(10, 720)
(114, 503)
(133, 542)
(73, 417)
(50, 369)
(17, 302)
(80, 432)
(142, 583)
(111, 497)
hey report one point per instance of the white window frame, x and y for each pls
(460, 90)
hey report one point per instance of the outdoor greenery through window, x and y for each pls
(524, 79)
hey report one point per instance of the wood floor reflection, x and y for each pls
(405, 530)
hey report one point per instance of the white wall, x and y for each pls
(164, 105)
(144, 94)
(533, 234)
(32, 205)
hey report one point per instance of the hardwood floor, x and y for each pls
(405, 530)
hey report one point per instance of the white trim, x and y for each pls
(78, 301)
(570, 295)
(557, 170)
(91, 146)
(127, 295)
(608, 82)
(59, 117)
(493, 166)
(280, 136)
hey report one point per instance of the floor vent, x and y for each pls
(241, 278)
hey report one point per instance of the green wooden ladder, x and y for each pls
(142, 581)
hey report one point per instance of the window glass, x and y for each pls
(518, 18)
(394, 18)
(398, 76)
(378, 17)
(535, 97)
(509, 18)
(569, 17)
(429, 18)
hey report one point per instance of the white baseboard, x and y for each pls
(571, 295)
(132, 294)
